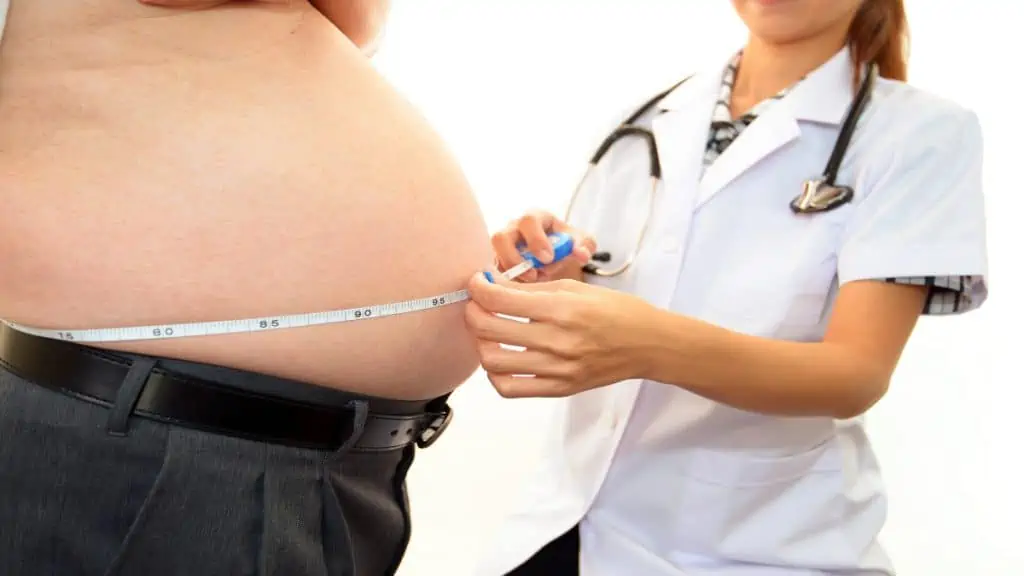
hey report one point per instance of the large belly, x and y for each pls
(204, 179)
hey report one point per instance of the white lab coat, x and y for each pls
(666, 483)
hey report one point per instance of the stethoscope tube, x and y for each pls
(818, 195)
(631, 130)
(848, 126)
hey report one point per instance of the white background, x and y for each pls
(520, 90)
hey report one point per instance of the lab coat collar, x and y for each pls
(822, 97)
(704, 82)
(826, 93)
(681, 132)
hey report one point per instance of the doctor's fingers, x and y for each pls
(568, 268)
(488, 327)
(535, 227)
(558, 375)
(506, 253)
(506, 248)
(551, 338)
(532, 229)
(509, 386)
(506, 245)
(554, 302)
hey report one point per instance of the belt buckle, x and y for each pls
(432, 431)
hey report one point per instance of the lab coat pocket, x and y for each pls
(783, 289)
(762, 508)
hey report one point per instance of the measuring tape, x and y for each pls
(562, 244)
(165, 331)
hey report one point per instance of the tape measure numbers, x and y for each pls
(561, 242)
(165, 331)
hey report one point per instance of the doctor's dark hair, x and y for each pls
(879, 34)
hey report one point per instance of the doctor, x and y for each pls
(733, 323)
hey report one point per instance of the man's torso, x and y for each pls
(161, 167)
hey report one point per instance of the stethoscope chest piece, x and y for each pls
(819, 196)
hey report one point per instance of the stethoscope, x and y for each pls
(818, 195)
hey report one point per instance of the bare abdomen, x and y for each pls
(182, 188)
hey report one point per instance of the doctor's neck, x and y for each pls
(790, 40)
(766, 68)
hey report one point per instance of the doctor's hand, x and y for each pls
(579, 336)
(533, 229)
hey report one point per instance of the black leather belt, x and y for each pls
(168, 396)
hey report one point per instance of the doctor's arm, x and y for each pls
(841, 377)
(582, 336)
(922, 218)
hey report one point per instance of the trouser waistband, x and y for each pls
(222, 400)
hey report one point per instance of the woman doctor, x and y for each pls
(716, 382)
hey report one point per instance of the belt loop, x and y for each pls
(360, 413)
(128, 395)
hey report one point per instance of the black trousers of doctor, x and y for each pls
(561, 557)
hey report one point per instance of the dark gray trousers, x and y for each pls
(164, 500)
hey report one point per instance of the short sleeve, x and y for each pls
(923, 218)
